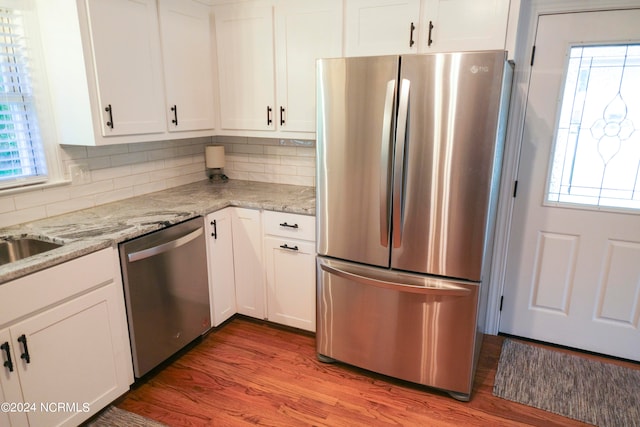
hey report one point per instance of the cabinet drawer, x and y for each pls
(292, 226)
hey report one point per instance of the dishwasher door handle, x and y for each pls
(165, 247)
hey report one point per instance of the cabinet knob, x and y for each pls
(8, 363)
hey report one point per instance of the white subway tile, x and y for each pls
(280, 169)
(248, 167)
(305, 152)
(305, 171)
(295, 180)
(264, 158)
(128, 158)
(7, 204)
(22, 215)
(114, 196)
(70, 205)
(298, 161)
(150, 187)
(42, 197)
(248, 149)
(280, 151)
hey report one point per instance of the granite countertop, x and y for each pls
(90, 230)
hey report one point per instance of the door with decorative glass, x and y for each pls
(573, 269)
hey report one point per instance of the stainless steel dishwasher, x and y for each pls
(167, 293)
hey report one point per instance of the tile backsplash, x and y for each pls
(101, 175)
(282, 161)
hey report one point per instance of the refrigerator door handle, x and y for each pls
(385, 147)
(398, 169)
(443, 289)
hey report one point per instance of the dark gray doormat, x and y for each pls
(116, 417)
(598, 393)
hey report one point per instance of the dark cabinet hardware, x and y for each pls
(25, 355)
(8, 363)
(412, 28)
(285, 246)
(281, 116)
(429, 39)
(215, 229)
(284, 224)
(109, 110)
(175, 115)
(269, 121)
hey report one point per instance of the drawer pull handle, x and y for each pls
(25, 355)
(285, 246)
(284, 224)
(8, 363)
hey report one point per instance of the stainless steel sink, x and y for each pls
(12, 250)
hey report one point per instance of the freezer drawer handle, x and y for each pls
(25, 355)
(444, 290)
(165, 247)
(285, 246)
(284, 224)
(8, 363)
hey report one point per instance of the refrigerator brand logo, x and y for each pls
(475, 69)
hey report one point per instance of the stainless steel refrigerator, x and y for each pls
(408, 163)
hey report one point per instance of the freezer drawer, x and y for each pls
(407, 326)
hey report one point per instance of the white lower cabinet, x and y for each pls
(222, 290)
(64, 362)
(266, 270)
(248, 266)
(289, 253)
(291, 292)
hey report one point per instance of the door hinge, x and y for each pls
(533, 54)
(501, 301)
(515, 188)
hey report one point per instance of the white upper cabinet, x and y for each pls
(126, 53)
(304, 32)
(382, 27)
(106, 76)
(185, 31)
(244, 39)
(266, 52)
(459, 25)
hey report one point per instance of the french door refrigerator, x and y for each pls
(408, 159)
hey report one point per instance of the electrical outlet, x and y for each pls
(80, 174)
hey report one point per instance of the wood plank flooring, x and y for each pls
(253, 373)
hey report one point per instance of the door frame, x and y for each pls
(525, 38)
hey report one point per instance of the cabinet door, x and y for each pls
(248, 267)
(73, 357)
(220, 258)
(460, 25)
(381, 27)
(126, 52)
(244, 39)
(291, 283)
(188, 65)
(9, 382)
(305, 30)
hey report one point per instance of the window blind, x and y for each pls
(22, 159)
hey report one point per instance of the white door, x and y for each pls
(222, 288)
(573, 270)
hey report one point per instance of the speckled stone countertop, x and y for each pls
(89, 230)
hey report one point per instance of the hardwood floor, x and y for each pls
(254, 373)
